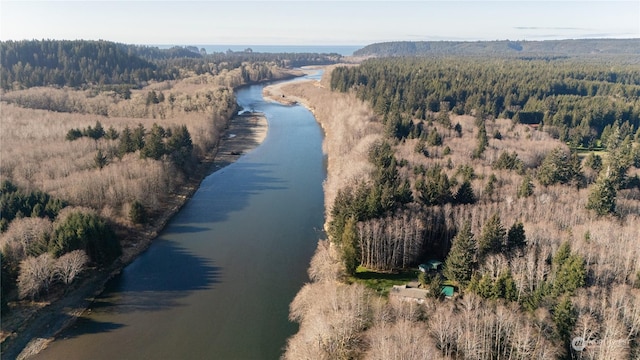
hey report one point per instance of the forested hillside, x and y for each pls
(85, 63)
(539, 240)
(503, 47)
(70, 63)
(574, 99)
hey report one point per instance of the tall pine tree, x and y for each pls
(460, 262)
(602, 198)
(492, 237)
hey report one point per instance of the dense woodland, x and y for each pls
(524, 48)
(574, 99)
(99, 143)
(83, 63)
(427, 161)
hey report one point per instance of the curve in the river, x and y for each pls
(218, 281)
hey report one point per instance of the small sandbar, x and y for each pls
(246, 131)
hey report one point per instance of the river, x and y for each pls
(218, 281)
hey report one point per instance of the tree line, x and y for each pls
(83, 63)
(174, 142)
(549, 49)
(571, 97)
(29, 63)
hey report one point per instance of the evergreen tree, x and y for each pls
(111, 134)
(154, 144)
(564, 317)
(349, 247)
(73, 134)
(485, 287)
(594, 162)
(483, 141)
(138, 213)
(126, 144)
(602, 198)
(458, 129)
(100, 159)
(421, 148)
(562, 254)
(619, 160)
(526, 187)
(88, 232)
(508, 161)
(95, 133)
(569, 271)
(559, 167)
(516, 239)
(137, 137)
(489, 189)
(180, 147)
(435, 188)
(465, 194)
(506, 287)
(492, 237)
(434, 139)
(570, 275)
(403, 194)
(6, 283)
(460, 262)
(152, 98)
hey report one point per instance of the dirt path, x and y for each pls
(28, 330)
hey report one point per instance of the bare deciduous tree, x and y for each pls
(325, 264)
(69, 265)
(36, 275)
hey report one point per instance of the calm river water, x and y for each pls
(218, 281)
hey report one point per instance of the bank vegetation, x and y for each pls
(539, 240)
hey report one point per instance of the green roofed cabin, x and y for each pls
(431, 265)
(447, 291)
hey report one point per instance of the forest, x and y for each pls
(101, 143)
(83, 63)
(574, 99)
(429, 159)
(524, 48)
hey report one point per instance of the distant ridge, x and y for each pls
(503, 47)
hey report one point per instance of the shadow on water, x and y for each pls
(228, 190)
(167, 273)
(184, 229)
(156, 281)
(90, 326)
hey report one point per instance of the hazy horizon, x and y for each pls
(316, 23)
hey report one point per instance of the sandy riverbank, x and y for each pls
(275, 92)
(27, 332)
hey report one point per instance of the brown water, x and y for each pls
(218, 281)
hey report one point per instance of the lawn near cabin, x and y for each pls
(382, 282)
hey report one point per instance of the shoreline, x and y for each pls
(30, 333)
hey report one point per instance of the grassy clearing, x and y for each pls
(382, 282)
(584, 152)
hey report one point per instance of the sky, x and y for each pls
(303, 22)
